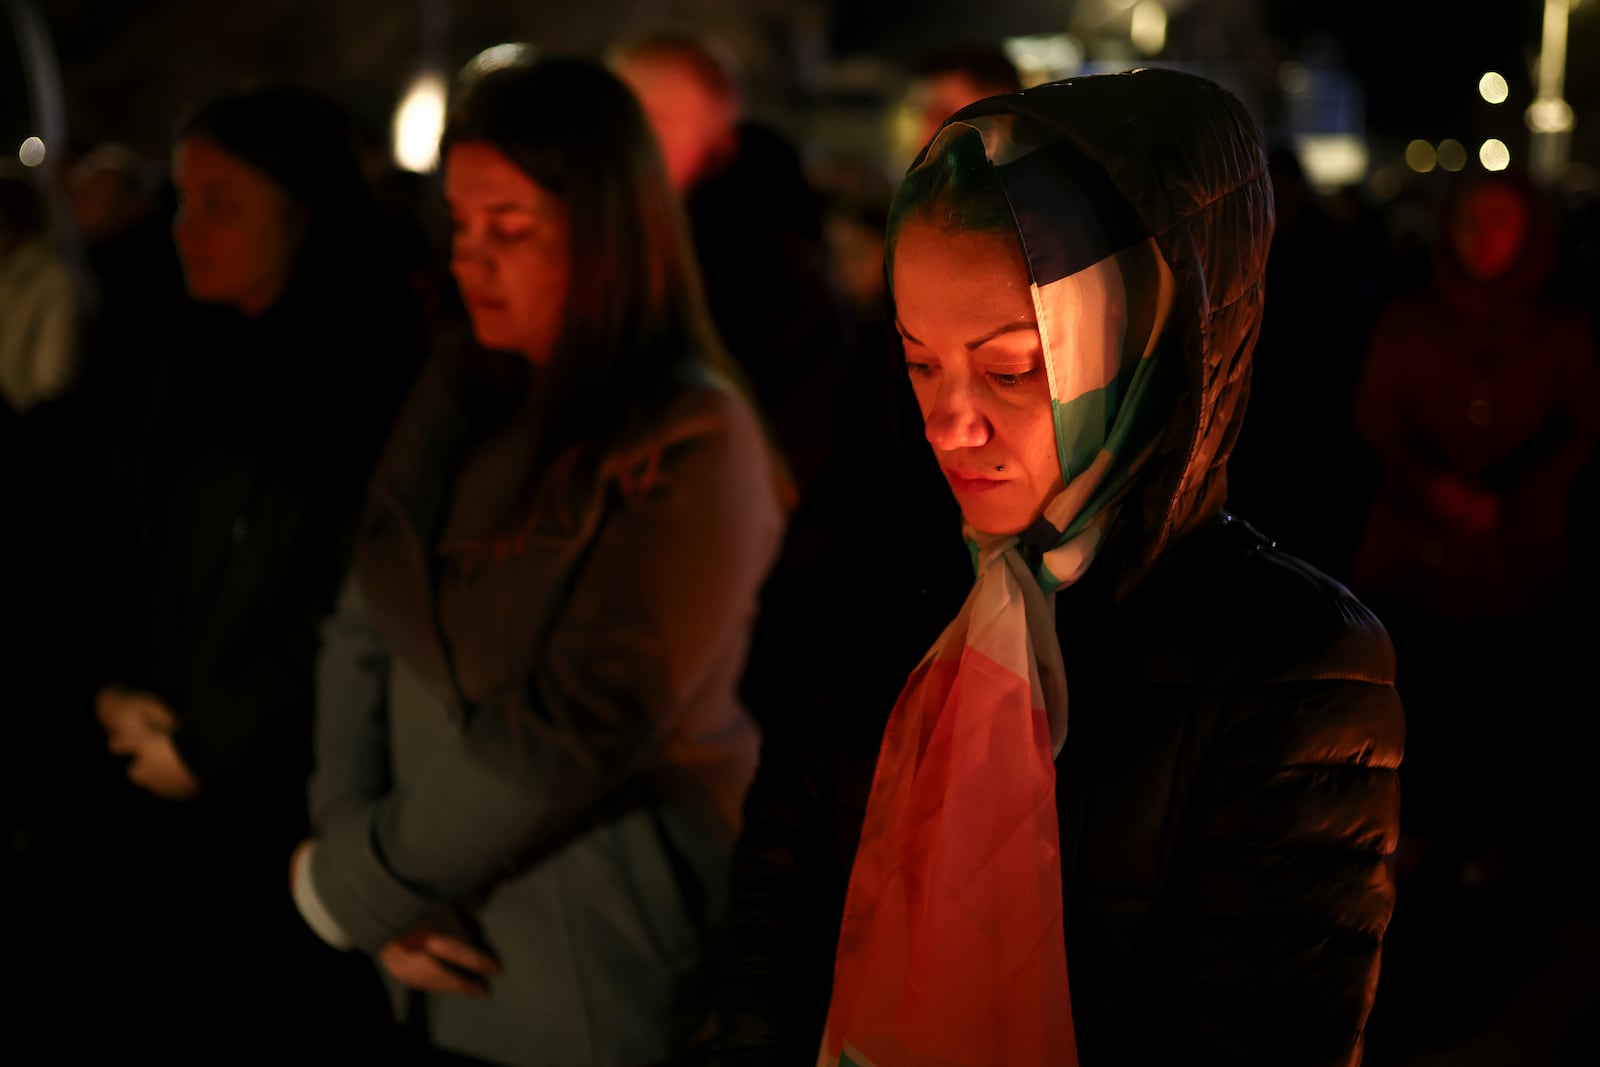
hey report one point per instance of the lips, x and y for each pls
(972, 481)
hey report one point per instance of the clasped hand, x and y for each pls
(138, 725)
(427, 960)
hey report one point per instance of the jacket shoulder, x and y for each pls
(1232, 610)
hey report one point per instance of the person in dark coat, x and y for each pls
(217, 550)
(1137, 800)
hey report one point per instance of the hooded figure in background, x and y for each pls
(1137, 797)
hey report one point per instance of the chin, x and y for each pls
(996, 525)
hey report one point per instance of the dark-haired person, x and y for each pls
(530, 751)
(1136, 801)
(210, 560)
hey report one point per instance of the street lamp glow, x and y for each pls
(418, 123)
(32, 152)
(1549, 116)
(1452, 154)
(1494, 155)
(1493, 88)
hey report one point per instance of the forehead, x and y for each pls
(479, 173)
(957, 269)
(197, 160)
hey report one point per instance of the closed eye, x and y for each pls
(1010, 380)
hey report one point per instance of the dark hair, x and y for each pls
(986, 64)
(954, 188)
(308, 145)
(635, 316)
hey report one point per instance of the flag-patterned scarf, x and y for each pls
(952, 950)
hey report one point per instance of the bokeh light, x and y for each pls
(1452, 154)
(32, 152)
(1147, 27)
(1420, 156)
(1494, 155)
(418, 124)
(1493, 88)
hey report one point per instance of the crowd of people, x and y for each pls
(648, 608)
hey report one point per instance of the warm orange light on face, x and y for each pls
(965, 310)
(511, 253)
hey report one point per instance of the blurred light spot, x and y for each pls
(1293, 78)
(1421, 157)
(1055, 55)
(1147, 28)
(499, 55)
(1493, 88)
(1332, 160)
(1452, 154)
(1549, 116)
(1494, 155)
(418, 123)
(32, 152)
(1387, 183)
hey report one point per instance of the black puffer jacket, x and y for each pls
(1228, 793)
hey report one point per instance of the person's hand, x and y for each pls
(1466, 505)
(156, 766)
(433, 963)
(124, 712)
(139, 726)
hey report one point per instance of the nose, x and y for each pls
(955, 419)
(467, 252)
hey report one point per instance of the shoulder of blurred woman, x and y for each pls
(698, 403)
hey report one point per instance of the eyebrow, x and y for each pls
(980, 341)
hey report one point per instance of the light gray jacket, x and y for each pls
(577, 825)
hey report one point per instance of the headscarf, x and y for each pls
(952, 949)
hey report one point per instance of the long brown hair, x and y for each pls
(635, 317)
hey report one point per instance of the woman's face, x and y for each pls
(976, 361)
(236, 229)
(511, 253)
(1489, 230)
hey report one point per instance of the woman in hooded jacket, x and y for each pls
(1137, 800)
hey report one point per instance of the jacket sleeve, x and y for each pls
(665, 597)
(1291, 877)
(351, 735)
(245, 721)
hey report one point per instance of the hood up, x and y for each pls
(1188, 163)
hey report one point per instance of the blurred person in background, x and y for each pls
(41, 318)
(1479, 400)
(531, 754)
(187, 624)
(948, 78)
(756, 223)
